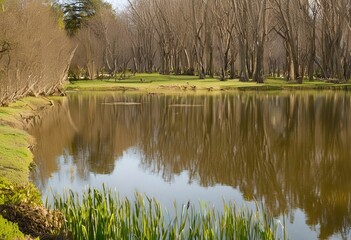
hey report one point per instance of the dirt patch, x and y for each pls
(35, 221)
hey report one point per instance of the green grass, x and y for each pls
(15, 155)
(15, 194)
(101, 214)
(15, 160)
(161, 83)
(155, 82)
(9, 230)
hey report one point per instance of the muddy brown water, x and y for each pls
(291, 151)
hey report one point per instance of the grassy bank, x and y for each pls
(15, 143)
(101, 214)
(161, 83)
(15, 194)
(16, 158)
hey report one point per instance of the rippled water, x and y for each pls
(290, 151)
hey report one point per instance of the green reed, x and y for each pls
(101, 214)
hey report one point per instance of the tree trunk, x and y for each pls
(258, 77)
(232, 64)
(244, 75)
(211, 64)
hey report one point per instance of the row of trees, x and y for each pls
(246, 39)
(103, 44)
(252, 37)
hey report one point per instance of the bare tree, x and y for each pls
(287, 26)
(240, 9)
(198, 21)
(335, 37)
(143, 44)
(259, 12)
(34, 58)
(225, 34)
(310, 11)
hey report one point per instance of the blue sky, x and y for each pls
(118, 4)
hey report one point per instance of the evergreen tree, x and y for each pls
(75, 12)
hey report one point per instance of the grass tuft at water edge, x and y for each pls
(102, 214)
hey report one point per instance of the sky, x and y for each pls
(118, 4)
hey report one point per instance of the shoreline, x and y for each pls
(16, 159)
(16, 143)
(156, 83)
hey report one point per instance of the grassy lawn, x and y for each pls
(161, 83)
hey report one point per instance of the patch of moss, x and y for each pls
(15, 156)
(8, 116)
(9, 230)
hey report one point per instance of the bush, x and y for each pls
(17, 194)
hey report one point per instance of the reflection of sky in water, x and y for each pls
(129, 177)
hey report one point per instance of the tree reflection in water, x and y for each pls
(290, 150)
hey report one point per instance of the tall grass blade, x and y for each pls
(102, 214)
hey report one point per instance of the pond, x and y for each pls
(291, 151)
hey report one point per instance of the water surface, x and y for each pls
(290, 151)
